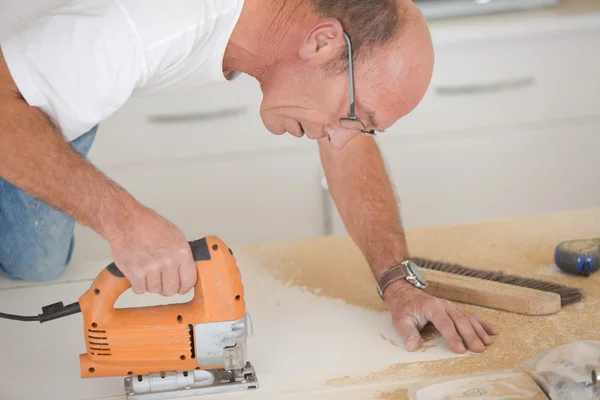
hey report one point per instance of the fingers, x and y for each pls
(187, 275)
(479, 330)
(466, 330)
(446, 326)
(153, 280)
(167, 280)
(155, 256)
(138, 285)
(488, 326)
(409, 332)
(459, 328)
(170, 280)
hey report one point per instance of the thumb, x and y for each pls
(187, 276)
(410, 334)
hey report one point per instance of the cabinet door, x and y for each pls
(501, 172)
(260, 197)
(212, 120)
(501, 82)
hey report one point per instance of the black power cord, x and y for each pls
(19, 317)
(50, 312)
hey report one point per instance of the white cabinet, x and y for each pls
(469, 176)
(257, 198)
(214, 120)
(515, 81)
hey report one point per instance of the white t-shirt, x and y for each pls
(82, 61)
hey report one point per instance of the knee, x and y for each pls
(36, 239)
(39, 263)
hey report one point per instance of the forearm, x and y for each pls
(35, 158)
(365, 199)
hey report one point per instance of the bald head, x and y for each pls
(395, 76)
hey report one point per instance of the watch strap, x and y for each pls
(390, 276)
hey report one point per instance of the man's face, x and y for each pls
(301, 98)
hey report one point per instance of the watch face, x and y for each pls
(417, 272)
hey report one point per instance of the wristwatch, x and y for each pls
(408, 270)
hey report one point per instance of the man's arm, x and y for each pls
(365, 199)
(35, 158)
(363, 194)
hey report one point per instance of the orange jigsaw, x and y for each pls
(167, 351)
(201, 341)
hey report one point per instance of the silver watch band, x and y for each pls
(390, 276)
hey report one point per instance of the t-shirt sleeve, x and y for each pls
(78, 65)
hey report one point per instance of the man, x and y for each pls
(72, 68)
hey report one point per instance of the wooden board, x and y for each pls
(499, 296)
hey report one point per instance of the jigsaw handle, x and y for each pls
(218, 289)
(109, 285)
(112, 283)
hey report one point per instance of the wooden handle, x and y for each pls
(499, 296)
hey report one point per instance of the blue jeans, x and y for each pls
(36, 240)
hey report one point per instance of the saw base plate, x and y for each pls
(245, 381)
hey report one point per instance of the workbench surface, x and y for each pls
(320, 329)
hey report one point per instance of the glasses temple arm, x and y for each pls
(351, 76)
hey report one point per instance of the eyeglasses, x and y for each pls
(353, 122)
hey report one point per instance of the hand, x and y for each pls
(412, 309)
(154, 254)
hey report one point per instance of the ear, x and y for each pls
(324, 43)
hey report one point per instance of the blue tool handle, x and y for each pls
(578, 257)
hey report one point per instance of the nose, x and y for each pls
(340, 136)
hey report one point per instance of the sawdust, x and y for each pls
(398, 394)
(428, 333)
(425, 347)
(334, 267)
(392, 342)
(337, 272)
